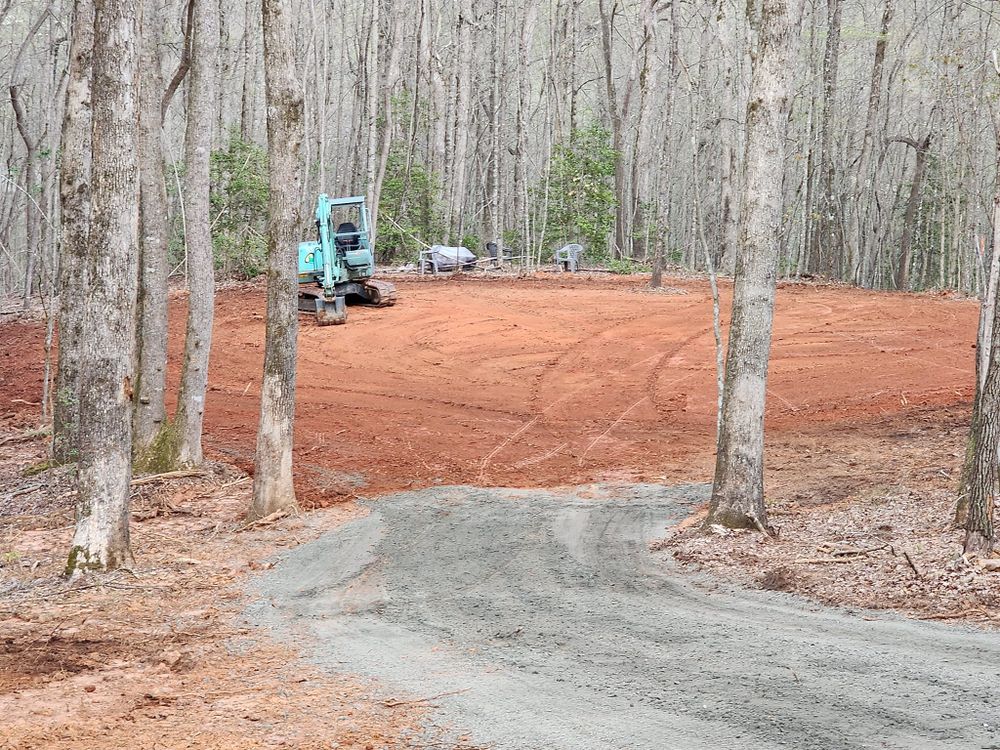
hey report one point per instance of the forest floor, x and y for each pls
(545, 381)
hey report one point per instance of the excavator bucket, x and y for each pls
(329, 312)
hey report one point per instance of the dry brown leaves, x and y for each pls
(888, 550)
(154, 657)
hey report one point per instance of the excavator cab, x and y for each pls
(340, 262)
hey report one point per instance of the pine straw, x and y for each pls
(157, 656)
(889, 550)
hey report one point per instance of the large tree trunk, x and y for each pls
(150, 411)
(738, 490)
(272, 483)
(74, 195)
(101, 541)
(979, 479)
(983, 425)
(202, 96)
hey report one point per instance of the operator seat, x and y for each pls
(351, 241)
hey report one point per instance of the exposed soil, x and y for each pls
(544, 381)
(536, 382)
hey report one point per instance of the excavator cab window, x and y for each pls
(347, 236)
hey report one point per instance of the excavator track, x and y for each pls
(380, 293)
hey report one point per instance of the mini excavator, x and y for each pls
(340, 263)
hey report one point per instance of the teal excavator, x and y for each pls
(340, 264)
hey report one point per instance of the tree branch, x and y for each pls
(185, 62)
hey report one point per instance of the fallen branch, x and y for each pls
(266, 520)
(822, 560)
(912, 564)
(181, 474)
(26, 437)
(956, 615)
(396, 704)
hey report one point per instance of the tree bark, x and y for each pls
(74, 196)
(738, 489)
(201, 117)
(979, 480)
(101, 541)
(922, 148)
(371, 102)
(622, 233)
(865, 175)
(150, 411)
(272, 485)
(826, 236)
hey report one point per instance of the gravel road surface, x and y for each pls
(560, 629)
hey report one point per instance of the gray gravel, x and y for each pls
(563, 631)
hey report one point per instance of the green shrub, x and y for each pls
(239, 199)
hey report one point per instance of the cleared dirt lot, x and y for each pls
(550, 380)
(537, 382)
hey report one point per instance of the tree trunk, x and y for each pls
(622, 232)
(827, 243)
(525, 40)
(101, 541)
(74, 196)
(272, 483)
(371, 103)
(738, 489)
(463, 86)
(202, 96)
(865, 175)
(902, 276)
(150, 412)
(985, 341)
(728, 136)
(979, 479)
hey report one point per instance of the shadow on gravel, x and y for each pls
(550, 624)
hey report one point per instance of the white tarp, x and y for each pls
(444, 258)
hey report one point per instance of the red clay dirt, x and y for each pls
(546, 380)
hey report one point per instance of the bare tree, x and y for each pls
(738, 490)
(273, 489)
(201, 118)
(979, 483)
(101, 541)
(150, 410)
(74, 194)
(32, 210)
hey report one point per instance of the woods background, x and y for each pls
(616, 123)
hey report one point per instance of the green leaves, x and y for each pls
(239, 208)
(580, 192)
